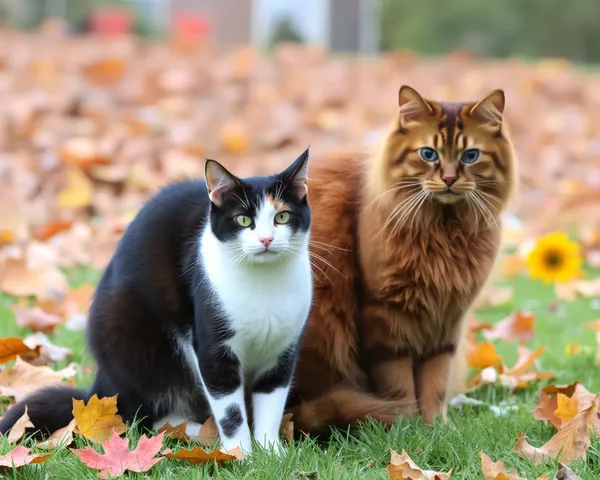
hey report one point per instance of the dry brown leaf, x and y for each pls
(496, 470)
(63, 437)
(565, 473)
(484, 355)
(18, 429)
(568, 444)
(13, 347)
(402, 467)
(35, 318)
(494, 296)
(518, 326)
(20, 456)
(196, 455)
(18, 279)
(50, 353)
(574, 398)
(98, 418)
(78, 300)
(286, 430)
(22, 378)
(175, 431)
(208, 433)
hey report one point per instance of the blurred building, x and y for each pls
(342, 25)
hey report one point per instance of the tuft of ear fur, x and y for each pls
(296, 175)
(412, 105)
(218, 181)
(490, 108)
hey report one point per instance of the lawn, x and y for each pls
(365, 453)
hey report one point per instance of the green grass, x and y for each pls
(365, 452)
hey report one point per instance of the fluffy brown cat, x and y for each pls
(402, 245)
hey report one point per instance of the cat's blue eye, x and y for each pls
(470, 156)
(428, 154)
(243, 221)
(282, 218)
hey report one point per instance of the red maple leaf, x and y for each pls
(117, 457)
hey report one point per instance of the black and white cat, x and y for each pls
(205, 297)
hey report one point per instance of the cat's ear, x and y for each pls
(490, 108)
(218, 181)
(412, 105)
(296, 176)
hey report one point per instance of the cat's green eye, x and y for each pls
(282, 218)
(243, 221)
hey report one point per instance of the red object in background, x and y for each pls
(190, 26)
(111, 22)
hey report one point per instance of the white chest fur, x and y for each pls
(267, 304)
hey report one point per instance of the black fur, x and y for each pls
(232, 421)
(150, 295)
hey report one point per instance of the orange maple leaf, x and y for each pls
(484, 355)
(196, 455)
(98, 419)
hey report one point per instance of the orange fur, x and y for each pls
(399, 257)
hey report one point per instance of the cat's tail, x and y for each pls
(344, 406)
(48, 409)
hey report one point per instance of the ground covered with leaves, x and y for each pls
(90, 129)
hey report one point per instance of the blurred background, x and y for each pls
(103, 102)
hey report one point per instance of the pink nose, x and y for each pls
(448, 180)
(266, 241)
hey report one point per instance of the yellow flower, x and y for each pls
(572, 349)
(555, 258)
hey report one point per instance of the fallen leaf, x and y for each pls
(51, 228)
(494, 296)
(575, 396)
(22, 378)
(208, 433)
(78, 191)
(519, 376)
(98, 419)
(402, 467)
(286, 429)
(18, 279)
(117, 457)
(18, 429)
(35, 318)
(568, 444)
(13, 347)
(78, 300)
(196, 455)
(62, 437)
(518, 326)
(567, 408)
(496, 470)
(50, 353)
(175, 431)
(565, 473)
(484, 356)
(20, 456)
